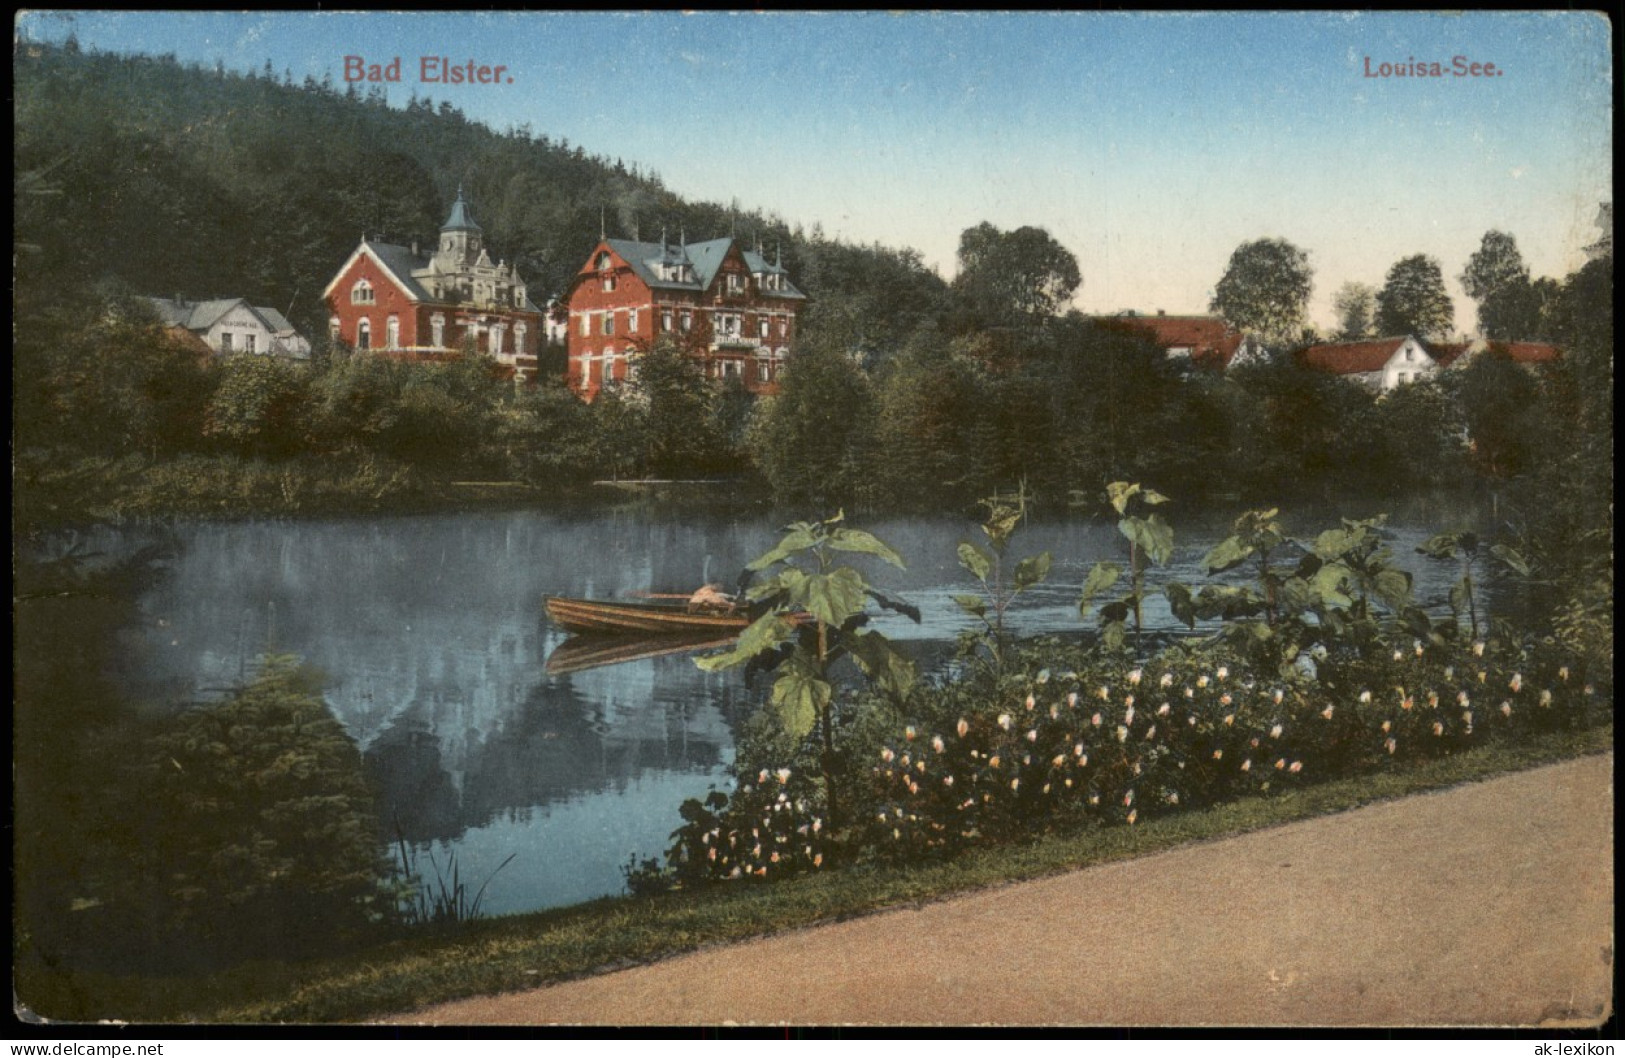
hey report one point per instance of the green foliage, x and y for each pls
(1015, 278)
(1004, 516)
(811, 439)
(259, 836)
(1413, 300)
(1265, 290)
(1356, 308)
(1151, 542)
(815, 616)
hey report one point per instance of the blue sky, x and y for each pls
(1149, 145)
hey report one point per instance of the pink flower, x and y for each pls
(1438, 728)
(1072, 700)
(1095, 720)
(886, 754)
(1128, 717)
(909, 733)
(818, 860)
(1030, 703)
(964, 726)
(1060, 759)
(1391, 744)
(761, 778)
(1517, 682)
(1506, 708)
(1218, 754)
(948, 780)
(1032, 735)
(1296, 767)
(1128, 798)
(783, 774)
(1280, 764)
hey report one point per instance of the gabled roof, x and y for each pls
(1353, 358)
(400, 262)
(1528, 352)
(704, 257)
(194, 315)
(1209, 338)
(1447, 353)
(277, 322)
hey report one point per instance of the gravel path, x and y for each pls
(1488, 904)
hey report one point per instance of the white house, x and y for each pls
(1384, 364)
(231, 325)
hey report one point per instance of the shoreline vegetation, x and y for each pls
(513, 953)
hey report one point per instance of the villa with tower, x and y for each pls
(394, 301)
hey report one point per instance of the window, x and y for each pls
(736, 282)
(784, 327)
(762, 328)
(609, 323)
(392, 333)
(586, 324)
(437, 330)
(225, 341)
(688, 322)
(361, 293)
(632, 321)
(764, 371)
(496, 339)
(519, 332)
(728, 325)
(363, 334)
(609, 284)
(1410, 354)
(248, 343)
(604, 261)
(1402, 378)
(665, 320)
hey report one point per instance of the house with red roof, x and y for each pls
(1381, 363)
(732, 310)
(1205, 341)
(394, 301)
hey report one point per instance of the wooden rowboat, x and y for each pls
(639, 618)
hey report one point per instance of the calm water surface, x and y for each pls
(431, 635)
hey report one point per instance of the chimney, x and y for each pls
(1161, 312)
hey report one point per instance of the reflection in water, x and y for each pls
(431, 636)
(579, 653)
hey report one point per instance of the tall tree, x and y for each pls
(1498, 280)
(1014, 278)
(1265, 289)
(1413, 300)
(1356, 306)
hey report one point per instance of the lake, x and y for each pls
(431, 636)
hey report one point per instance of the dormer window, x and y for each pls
(1410, 354)
(361, 293)
(736, 283)
(604, 261)
(609, 284)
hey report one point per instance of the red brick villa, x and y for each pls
(396, 302)
(731, 309)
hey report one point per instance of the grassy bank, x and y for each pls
(523, 951)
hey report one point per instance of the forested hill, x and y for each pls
(147, 176)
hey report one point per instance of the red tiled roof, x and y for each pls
(1447, 353)
(1351, 358)
(1207, 337)
(1528, 352)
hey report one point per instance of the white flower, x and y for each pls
(936, 743)
(1104, 695)
(1128, 717)
(1247, 765)
(1275, 732)
(1167, 680)
(1225, 699)
(1365, 697)
(1391, 744)
(1032, 735)
(1546, 698)
(1327, 712)
(948, 780)
(1005, 720)
(1152, 730)
(964, 726)
(1218, 754)
(1297, 766)
(1478, 650)
(1095, 720)
(1229, 719)
(1060, 759)
(1438, 728)
(1072, 700)
(1191, 720)
(1461, 699)
(1563, 673)
(1201, 681)
(1128, 700)
(1506, 708)
(1386, 727)
(1030, 703)
(1450, 672)
(1279, 694)
(762, 777)
(1077, 750)
(1189, 693)
(1223, 672)
(1014, 783)
(783, 774)
(1467, 718)
(1173, 798)
(1135, 676)
(1055, 712)
(1122, 733)
(1517, 682)
(1094, 799)
(886, 754)
(1164, 710)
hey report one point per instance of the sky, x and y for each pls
(1150, 146)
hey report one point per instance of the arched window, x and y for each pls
(363, 334)
(361, 293)
(496, 339)
(392, 333)
(519, 332)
